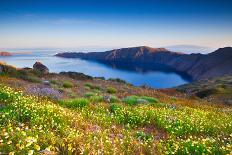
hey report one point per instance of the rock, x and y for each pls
(1, 69)
(107, 98)
(40, 67)
(77, 75)
(46, 82)
(5, 54)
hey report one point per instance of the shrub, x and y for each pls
(150, 99)
(75, 103)
(111, 90)
(143, 136)
(89, 94)
(114, 99)
(133, 100)
(96, 98)
(67, 84)
(114, 107)
(53, 81)
(90, 86)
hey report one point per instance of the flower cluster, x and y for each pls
(34, 125)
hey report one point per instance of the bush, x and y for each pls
(90, 86)
(75, 103)
(114, 108)
(150, 99)
(53, 81)
(89, 94)
(133, 100)
(111, 90)
(114, 99)
(67, 84)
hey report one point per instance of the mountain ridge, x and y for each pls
(198, 66)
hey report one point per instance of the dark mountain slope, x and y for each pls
(199, 66)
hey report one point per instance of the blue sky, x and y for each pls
(114, 23)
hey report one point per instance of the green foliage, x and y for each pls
(114, 107)
(75, 103)
(89, 94)
(54, 82)
(67, 84)
(133, 100)
(90, 86)
(114, 99)
(143, 136)
(96, 98)
(111, 90)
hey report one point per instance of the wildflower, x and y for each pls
(11, 153)
(30, 152)
(37, 147)
(9, 142)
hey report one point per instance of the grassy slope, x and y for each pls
(83, 121)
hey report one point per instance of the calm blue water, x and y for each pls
(152, 78)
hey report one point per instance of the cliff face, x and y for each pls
(199, 66)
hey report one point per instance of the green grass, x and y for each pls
(67, 84)
(111, 90)
(75, 103)
(91, 86)
(32, 124)
(134, 100)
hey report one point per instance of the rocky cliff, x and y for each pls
(198, 66)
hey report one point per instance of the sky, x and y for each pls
(114, 23)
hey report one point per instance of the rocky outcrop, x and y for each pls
(38, 66)
(5, 54)
(198, 66)
(76, 75)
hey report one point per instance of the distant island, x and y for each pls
(5, 54)
(198, 66)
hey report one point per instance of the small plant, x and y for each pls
(114, 108)
(143, 136)
(89, 94)
(111, 90)
(54, 82)
(133, 100)
(114, 99)
(90, 86)
(67, 84)
(96, 98)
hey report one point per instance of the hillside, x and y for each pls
(198, 66)
(215, 89)
(71, 113)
